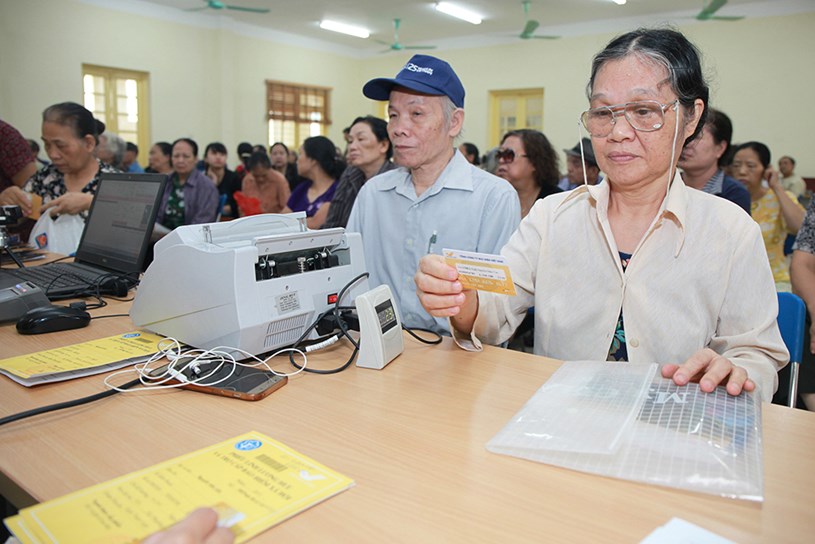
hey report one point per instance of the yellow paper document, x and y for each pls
(82, 359)
(254, 482)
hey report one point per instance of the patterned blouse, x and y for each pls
(619, 350)
(174, 214)
(805, 241)
(49, 183)
(767, 213)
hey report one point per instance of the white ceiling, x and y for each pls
(296, 21)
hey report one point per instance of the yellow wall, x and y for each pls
(208, 83)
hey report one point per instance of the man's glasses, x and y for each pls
(644, 116)
(506, 155)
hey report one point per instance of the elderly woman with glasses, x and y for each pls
(641, 268)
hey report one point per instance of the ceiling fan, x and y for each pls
(218, 5)
(396, 46)
(710, 8)
(531, 26)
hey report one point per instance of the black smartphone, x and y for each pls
(245, 383)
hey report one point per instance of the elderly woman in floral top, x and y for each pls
(67, 185)
(775, 209)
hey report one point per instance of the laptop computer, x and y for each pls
(113, 244)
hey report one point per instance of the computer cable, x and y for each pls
(100, 303)
(73, 294)
(76, 402)
(302, 339)
(342, 325)
(158, 378)
(432, 342)
(114, 285)
(67, 404)
(335, 310)
(185, 367)
(340, 321)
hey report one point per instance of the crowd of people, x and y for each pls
(324, 181)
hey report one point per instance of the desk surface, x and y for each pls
(412, 436)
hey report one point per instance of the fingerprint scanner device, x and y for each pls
(254, 283)
(19, 299)
(380, 331)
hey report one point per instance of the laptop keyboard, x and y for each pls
(57, 276)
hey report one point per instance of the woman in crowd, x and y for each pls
(470, 152)
(317, 161)
(225, 179)
(70, 135)
(528, 161)
(639, 268)
(111, 149)
(776, 210)
(244, 152)
(35, 150)
(279, 155)
(264, 189)
(190, 197)
(369, 154)
(160, 158)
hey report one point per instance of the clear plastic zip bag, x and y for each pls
(674, 436)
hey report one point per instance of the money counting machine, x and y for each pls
(255, 283)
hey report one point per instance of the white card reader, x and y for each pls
(380, 331)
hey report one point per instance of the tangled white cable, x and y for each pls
(182, 364)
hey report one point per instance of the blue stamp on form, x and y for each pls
(248, 445)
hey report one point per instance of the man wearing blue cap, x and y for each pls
(436, 199)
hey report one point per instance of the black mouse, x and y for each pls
(51, 319)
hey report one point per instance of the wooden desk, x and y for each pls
(411, 435)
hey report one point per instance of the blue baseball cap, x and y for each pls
(423, 74)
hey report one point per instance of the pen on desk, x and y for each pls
(431, 242)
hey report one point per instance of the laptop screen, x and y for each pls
(120, 222)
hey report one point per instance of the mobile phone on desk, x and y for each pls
(244, 383)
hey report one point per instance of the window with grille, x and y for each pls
(296, 112)
(119, 98)
(514, 109)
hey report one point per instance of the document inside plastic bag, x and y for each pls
(625, 421)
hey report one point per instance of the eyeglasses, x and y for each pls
(644, 116)
(507, 155)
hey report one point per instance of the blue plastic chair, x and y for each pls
(791, 322)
